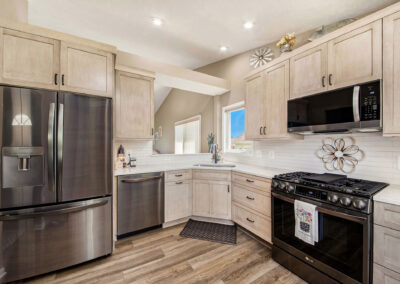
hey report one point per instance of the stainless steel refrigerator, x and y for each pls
(56, 180)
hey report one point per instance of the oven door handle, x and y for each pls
(353, 218)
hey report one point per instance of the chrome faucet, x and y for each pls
(215, 152)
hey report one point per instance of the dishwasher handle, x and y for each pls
(136, 180)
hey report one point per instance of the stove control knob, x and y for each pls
(333, 198)
(282, 185)
(346, 201)
(275, 183)
(359, 204)
(290, 188)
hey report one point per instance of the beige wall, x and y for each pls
(15, 10)
(180, 105)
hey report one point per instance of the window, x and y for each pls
(234, 128)
(187, 135)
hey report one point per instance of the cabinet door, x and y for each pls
(391, 73)
(201, 198)
(86, 70)
(277, 95)
(383, 275)
(28, 60)
(134, 107)
(220, 200)
(355, 57)
(254, 101)
(308, 72)
(387, 247)
(178, 200)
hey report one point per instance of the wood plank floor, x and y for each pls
(162, 256)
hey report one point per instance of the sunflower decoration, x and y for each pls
(337, 156)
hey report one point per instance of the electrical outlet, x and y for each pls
(271, 155)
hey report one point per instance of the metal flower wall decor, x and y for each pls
(261, 56)
(337, 156)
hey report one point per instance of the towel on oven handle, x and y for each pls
(306, 216)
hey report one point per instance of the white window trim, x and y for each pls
(225, 123)
(190, 119)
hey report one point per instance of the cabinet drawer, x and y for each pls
(383, 275)
(255, 223)
(253, 181)
(178, 175)
(387, 247)
(212, 175)
(253, 200)
(387, 215)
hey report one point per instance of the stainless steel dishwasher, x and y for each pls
(140, 202)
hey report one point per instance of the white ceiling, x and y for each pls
(193, 30)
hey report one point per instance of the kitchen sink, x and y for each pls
(211, 165)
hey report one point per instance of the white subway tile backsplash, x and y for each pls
(379, 162)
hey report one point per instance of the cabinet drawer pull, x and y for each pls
(323, 81)
(179, 182)
(261, 130)
(265, 128)
(62, 79)
(55, 79)
(178, 175)
(330, 79)
(250, 198)
(251, 221)
(249, 180)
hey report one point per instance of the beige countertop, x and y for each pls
(390, 195)
(241, 168)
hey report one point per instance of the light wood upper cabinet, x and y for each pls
(254, 101)
(355, 57)
(178, 200)
(391, 75)
(308, 72)
(221, 200)
(86, 70)
(28, 60)
(134, 106)
(277, 95)
(201, 198)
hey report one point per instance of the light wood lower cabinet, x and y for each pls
(134, 106)
(252, 221)
(383, 275)
(86, 70)
(178, 200)
(29, 60)
(212, 199)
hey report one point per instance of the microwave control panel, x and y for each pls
(370, 102)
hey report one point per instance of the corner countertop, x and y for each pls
(264, 172)
(390, 195)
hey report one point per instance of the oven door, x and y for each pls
(344, 240)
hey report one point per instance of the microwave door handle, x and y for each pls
(356, 103)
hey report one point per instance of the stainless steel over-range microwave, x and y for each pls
(354, 108)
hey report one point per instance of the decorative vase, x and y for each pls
(286, 48)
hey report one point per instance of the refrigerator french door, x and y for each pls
(55, 203)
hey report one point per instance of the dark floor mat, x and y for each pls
(210, 232)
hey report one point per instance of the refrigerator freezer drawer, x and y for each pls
(39, 240)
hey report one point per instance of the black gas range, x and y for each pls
(343, 253)
(337, 190)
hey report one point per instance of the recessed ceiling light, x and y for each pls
(248, 25)
(157, 22)
(223, 48)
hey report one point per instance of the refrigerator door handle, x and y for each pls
(65, 210)
(50, 146)
(60, 134)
